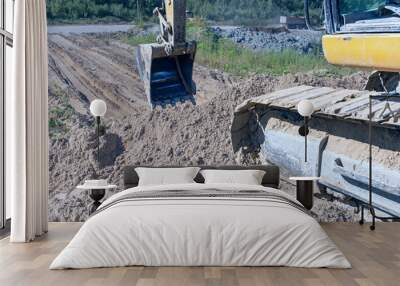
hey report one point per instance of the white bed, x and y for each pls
(208, 230)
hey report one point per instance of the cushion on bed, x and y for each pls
(245, 177)
(271, 178)
(166, 176)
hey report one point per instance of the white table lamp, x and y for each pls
(98, 109)
(305, 109)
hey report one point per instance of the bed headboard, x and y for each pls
(271, 177)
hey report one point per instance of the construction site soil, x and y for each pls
(89, 66)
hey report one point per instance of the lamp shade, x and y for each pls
(98, 107)
(305, 108)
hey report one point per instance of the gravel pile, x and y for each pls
(303, 41)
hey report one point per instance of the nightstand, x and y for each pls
(96, 193)
(305, 190)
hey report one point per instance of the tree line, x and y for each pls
(242, 11)
(125, 10)
(133, 10)
(234, 11)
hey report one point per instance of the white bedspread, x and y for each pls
(200, 232)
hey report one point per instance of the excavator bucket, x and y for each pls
(167, 78)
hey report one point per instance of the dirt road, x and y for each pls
(90, 66)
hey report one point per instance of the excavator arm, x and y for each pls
(166, 67)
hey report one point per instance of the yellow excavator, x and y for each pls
(364, 34)
(359, 33)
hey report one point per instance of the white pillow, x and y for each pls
(245, 177)
(166, 176)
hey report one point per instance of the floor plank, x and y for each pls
(375, 257)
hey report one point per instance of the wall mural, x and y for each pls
(243, 51)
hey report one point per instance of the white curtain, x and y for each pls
(27, 123)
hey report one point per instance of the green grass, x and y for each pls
(60, 115)
(223, 54)
(140, 39)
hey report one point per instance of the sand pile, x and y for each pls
(85, 67)
(184, 135)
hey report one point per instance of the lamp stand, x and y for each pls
(96, 171)
(98, 139)
(305, 137)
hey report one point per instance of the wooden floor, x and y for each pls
(375, 257)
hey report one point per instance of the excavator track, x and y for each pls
(269, 125)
